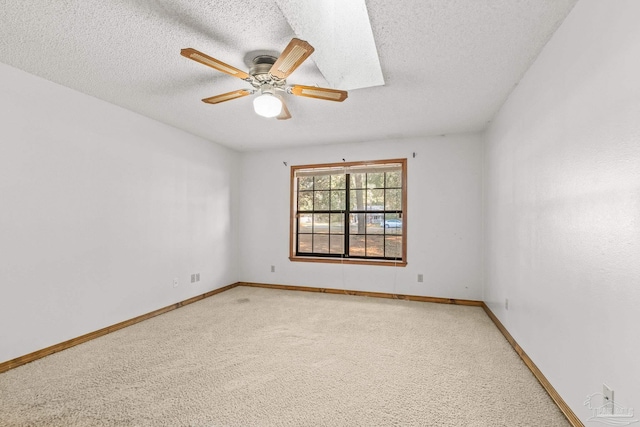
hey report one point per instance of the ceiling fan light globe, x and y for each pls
(267, 105)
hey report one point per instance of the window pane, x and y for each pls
(321, 223)
(394, 179)
(356, 245)
(338, 200)
(305, 183)
(337, 182)
(321, 243)
(392, 224)
(357, 224)
(358, 180)
(375, 223)
(304, 242)
(393, 199)
(393, 246)
(357, 200)
(375, 180)
(321, 201)
(321, 182)
(375, 246)
(375, 200)
(337, 224)
(305, 201)
(305, 223)
(336, 244)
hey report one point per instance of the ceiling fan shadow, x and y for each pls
(179, 15)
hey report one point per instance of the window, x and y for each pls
(349, 212)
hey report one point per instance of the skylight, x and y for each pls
(340, 32)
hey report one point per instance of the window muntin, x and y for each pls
(350, 212)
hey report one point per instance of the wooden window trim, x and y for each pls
(362, 261)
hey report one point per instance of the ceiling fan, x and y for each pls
(268, 76)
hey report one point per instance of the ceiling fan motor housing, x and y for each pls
(261, 78)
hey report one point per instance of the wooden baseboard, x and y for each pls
(22, 360)
(365, 294)
(560, 403)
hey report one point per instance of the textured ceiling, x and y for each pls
(448, 65)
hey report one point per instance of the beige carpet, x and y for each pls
(263, 357)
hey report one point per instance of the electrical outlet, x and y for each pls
(197, 277)
(506, 303)
(607, 399)
(193, 278)
(273, 268)
(420, 278)
(175, 282)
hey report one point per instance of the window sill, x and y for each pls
(349, 261)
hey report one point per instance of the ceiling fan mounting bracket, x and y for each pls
(260, 76)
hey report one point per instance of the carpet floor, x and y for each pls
(264, 357)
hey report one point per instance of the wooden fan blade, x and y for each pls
(319, 93)
(284, 114)
(213, 63)
(227, 96)
(293, 55)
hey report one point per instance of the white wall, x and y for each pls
(563, 206)
(100, 209)
(443, 218)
